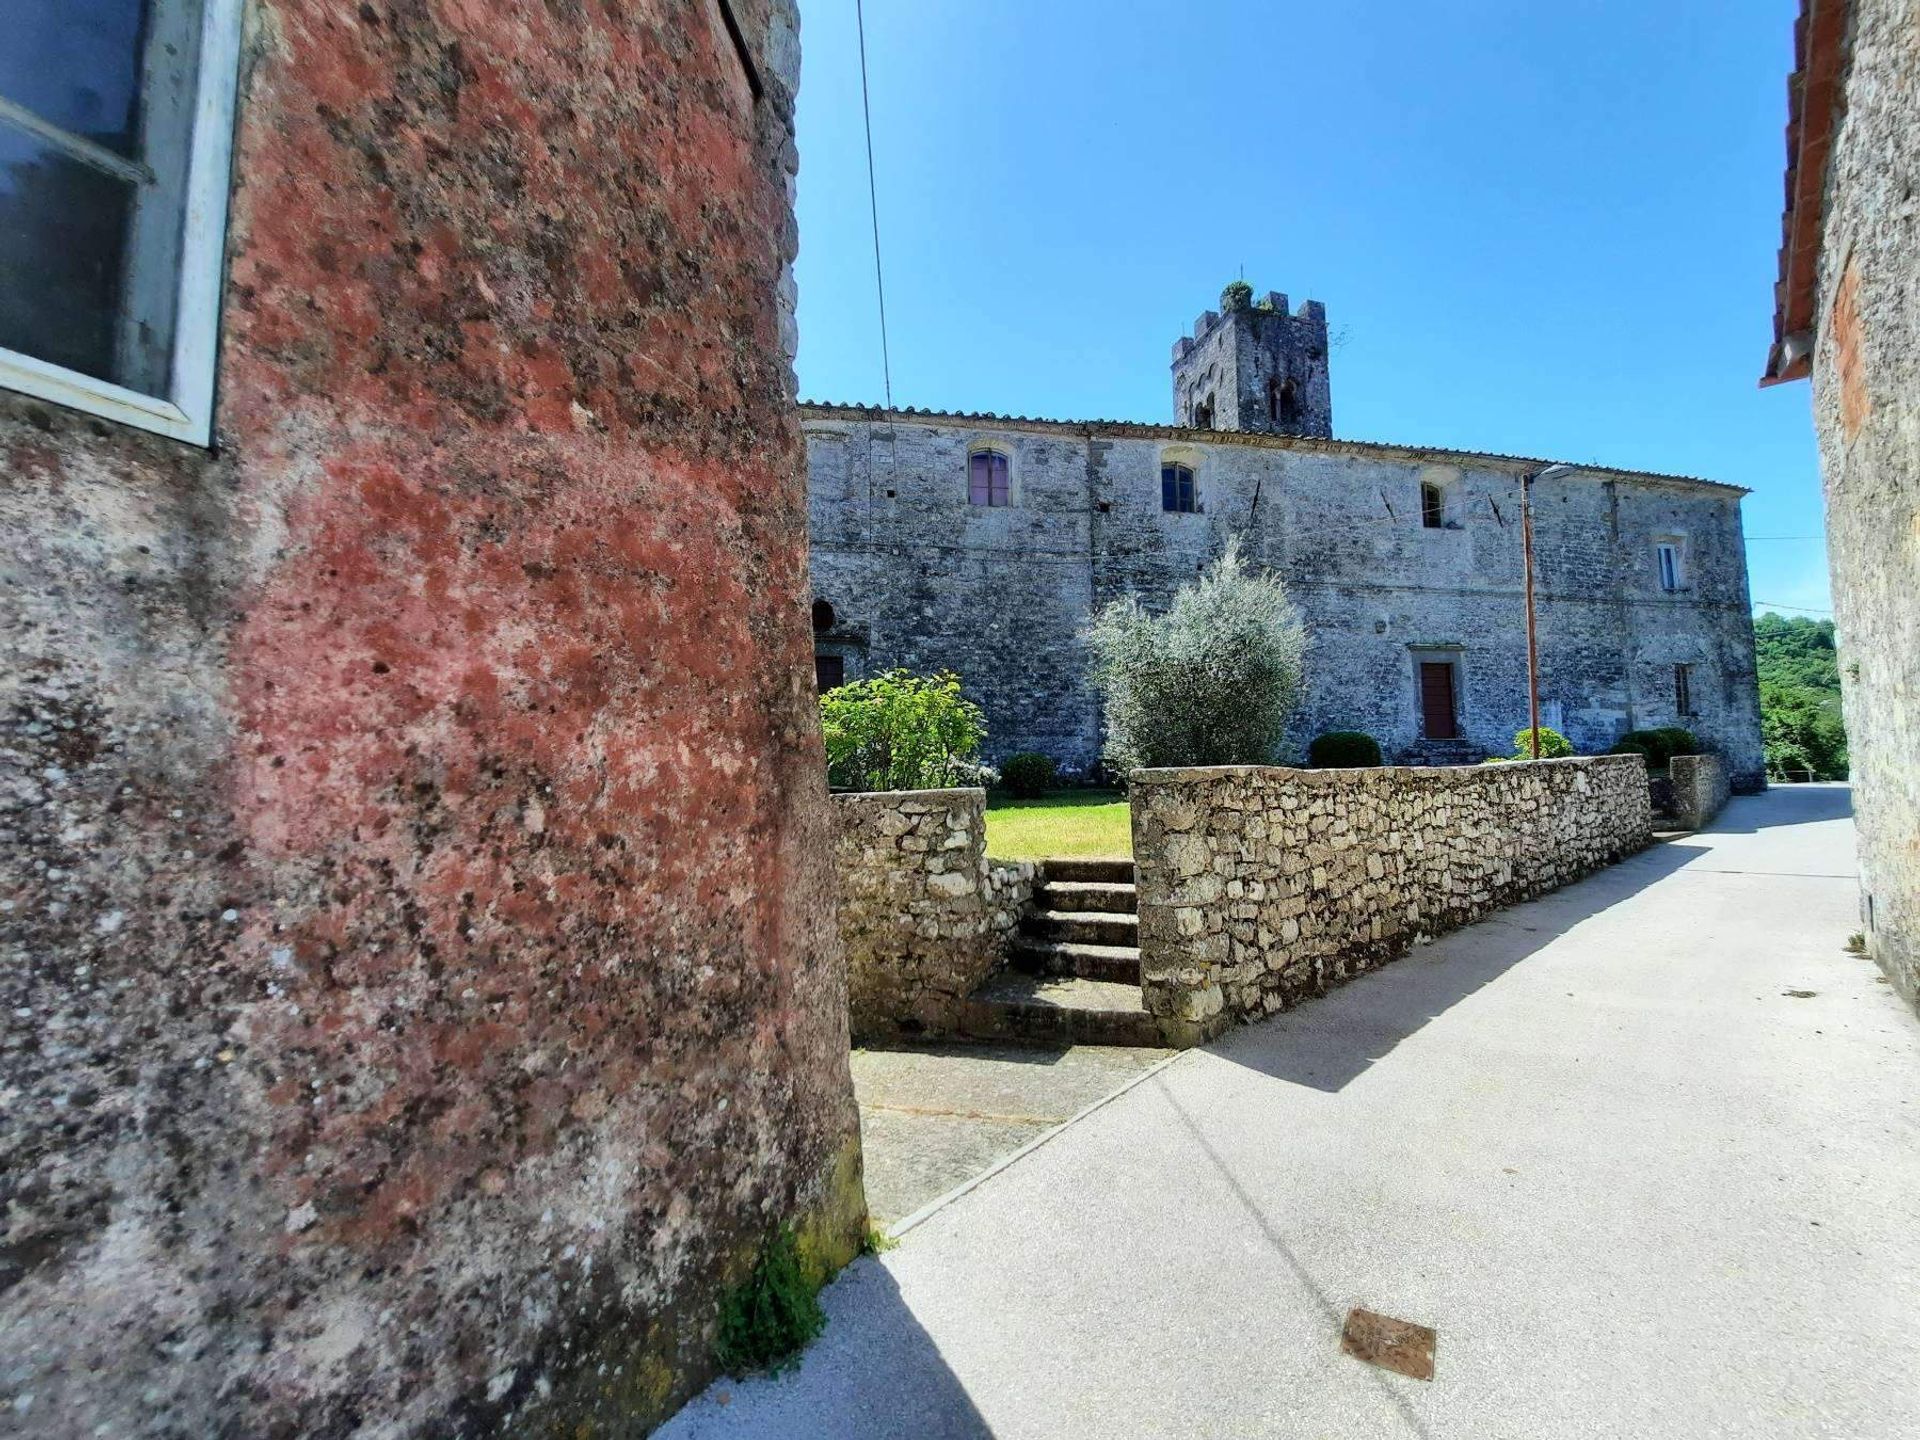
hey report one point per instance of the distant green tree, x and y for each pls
(1802, 730)
(1799, 671)
(1798, 652)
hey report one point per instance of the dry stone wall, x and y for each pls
(1699, 789)
(924, 915)
(1261, 886)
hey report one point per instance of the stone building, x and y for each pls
(1847, 314)
(421, 989)
(983, 543)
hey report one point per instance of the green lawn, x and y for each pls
(1067, 822)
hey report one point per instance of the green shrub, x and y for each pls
(1659, 745)
(766, 1320)
(1211, 682)
(1632, 744)
(1028, 776)
(901, 731)
(1553, 745)
(1343, 750)
(1678, 740)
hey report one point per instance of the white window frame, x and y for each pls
(187, 412)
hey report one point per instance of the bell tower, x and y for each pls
(1255, 367)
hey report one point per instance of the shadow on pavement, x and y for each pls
(875, 1372)
(1329, 1311)
(1329, 1041)
(1784, 805)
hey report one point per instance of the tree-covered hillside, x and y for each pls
(1800, 721)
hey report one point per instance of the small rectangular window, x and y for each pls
(987, 478)
(829, 672)
(115, 124)
(1683, 689)
(1176, 490)
(1671, 572)
(1433, 506)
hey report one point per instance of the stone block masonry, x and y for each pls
(420, 985)
(924, 915)
(1260, 887)
(918, 576)
(1866, 408)
(1699, 789)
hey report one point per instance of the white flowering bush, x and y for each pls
(1211, 682)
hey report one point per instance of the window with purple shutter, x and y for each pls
(987, 478)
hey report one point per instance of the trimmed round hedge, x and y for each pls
(1028, 776)
(1343, 750)
(1659, 745)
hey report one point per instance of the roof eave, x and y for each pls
(1814, 97)
(1138, 429)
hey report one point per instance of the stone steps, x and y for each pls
(1084, 922)
(1059, 1010)
(1110, 897)
(1118, 870)
(1117, 963)
(1075, 971)
(1084, 927)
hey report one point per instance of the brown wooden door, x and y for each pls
(1436, 700)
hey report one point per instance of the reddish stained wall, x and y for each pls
(420, 981)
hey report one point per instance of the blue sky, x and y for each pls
(1540, 229)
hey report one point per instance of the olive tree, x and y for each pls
(1210, 682)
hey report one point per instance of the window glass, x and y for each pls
(96, 115)
(76, 64)
(1669, 567)
(987, 478)
(1176, 489)
(63, 231)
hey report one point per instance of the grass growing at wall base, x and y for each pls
(1066, 822)
(768, 1319)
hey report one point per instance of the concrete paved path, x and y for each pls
(935, 1116)
(1646, 1153)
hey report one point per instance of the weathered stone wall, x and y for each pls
(1866, 393)
(1260, 886)
(924, 915)
(418, 957)
(920, 578)
(1699, 789)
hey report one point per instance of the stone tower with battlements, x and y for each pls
(1255, 367)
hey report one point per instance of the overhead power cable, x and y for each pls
(873, 206)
